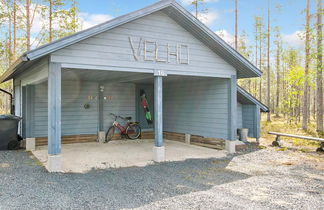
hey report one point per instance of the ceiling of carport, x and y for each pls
(117, 76)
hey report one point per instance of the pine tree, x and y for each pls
(278, 43)
(28, 24)
(236, 25)
(319, 72)
(199, 8)
(268, 65)
(307, 61)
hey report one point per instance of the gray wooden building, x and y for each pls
(189, 74)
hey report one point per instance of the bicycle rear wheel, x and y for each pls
(133, 131)
(110, 133)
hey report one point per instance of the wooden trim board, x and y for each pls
(195, 140)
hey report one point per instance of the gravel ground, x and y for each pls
(256, 179)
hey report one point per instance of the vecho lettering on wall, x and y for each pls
(154, 51)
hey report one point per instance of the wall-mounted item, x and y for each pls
(146, 107)
(101, 88)
(86, 106)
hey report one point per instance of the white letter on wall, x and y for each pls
(184, 54)
(147, 50)
(176, 53)
(137, 53)
(159, 58)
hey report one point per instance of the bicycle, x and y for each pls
(132, 130)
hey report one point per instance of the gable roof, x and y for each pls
(246, 98)
(244, 68)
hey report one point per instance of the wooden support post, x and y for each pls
(277, 142)
(257, 123)
(187, 138)
(23, 111)
(232, 108)
(159, 150)
(54, 117)
(29, 109)
(30, 144)
(101, 106)
(321, 148)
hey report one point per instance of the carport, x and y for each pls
(69, 87)
(88, 96)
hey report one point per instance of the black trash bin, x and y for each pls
(9, 132)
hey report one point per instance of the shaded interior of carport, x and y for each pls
(191, 105)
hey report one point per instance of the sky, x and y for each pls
(290, 18)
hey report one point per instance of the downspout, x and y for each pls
(12, 110)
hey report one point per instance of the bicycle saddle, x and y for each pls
(128, 118)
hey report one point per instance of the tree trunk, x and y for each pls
(256, 44)
(314, 104)
(260, 64)
(306, 85)
(196, 7)
(284, 94)
(278, 79)
(268, 66)
(14, 49)
(28, 25)
(236, 14)
(9, 47)
(50, 21)
(319, 74)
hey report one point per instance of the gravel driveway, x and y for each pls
(262, 179)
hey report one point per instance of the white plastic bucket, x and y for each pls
(243, 134)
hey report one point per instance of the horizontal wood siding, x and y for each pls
(248, 119)
(239, 116)
(112, 48)
(34, 74)
(75, 118)
(120, 100)
(197, 107)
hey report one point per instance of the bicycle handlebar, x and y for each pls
(117, 116)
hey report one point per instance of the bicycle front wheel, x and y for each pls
(110, 133)
(133, 131)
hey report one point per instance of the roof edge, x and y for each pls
(7, 75)
(263, 107)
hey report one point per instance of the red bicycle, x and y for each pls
(132, 130)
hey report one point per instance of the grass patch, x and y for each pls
(302, 142)
(281, 125)
(35, 160)
(282, 149)
(304, 150)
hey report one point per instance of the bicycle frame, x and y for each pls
(130, 129)
(116, 124)
(120, 127)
